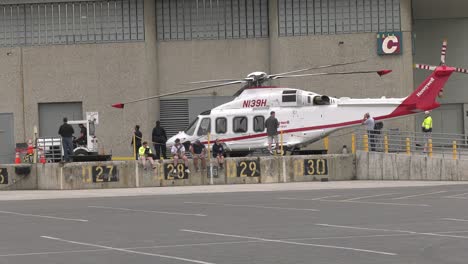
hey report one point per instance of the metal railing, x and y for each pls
(52, 148)
(443, 145)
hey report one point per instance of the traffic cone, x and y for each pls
(17, 158)
(42, 158)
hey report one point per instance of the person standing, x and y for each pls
(426, 127)
(137, 136)
(369, 122)
(272, 125)
(66, 132)
(159, 138)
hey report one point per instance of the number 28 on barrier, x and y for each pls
(3, 176)
(99, 173)
(180, 171)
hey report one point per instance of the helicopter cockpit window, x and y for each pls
(240, 124)
(289, 96)
(205, 127)
(321, 100)
(191, 128)
(221, 125)
(259, 124)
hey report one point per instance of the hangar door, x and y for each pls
(7, 139)
(176, 114)
(52, 114)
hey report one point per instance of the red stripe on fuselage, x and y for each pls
(401, 110)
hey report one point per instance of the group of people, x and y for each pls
(371, 127)
(178, 151)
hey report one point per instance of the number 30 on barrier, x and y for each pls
(311, 167)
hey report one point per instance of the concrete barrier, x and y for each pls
(18, 177)
(270, 169)
(219, 175)
(86, 175)
(321, 168)
(409, 167)
(243, 170)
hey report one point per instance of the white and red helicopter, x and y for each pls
(304, 116)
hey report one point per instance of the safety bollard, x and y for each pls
(430, 147)
(454, 147)
(408, 146)
(281, 142)
(353, 143)
(325, 143)
(386, 144)
(366, 142)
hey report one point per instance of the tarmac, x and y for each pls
(355, 222)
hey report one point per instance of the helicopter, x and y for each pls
(304, 116)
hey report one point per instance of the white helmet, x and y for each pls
(427, 112)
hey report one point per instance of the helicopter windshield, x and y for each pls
(191, 128)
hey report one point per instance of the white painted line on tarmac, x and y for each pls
(417, 195)
(45, 216)
(144, 211)
(378, 203)
(312, 199)
(393, 230)
(290, 242)
(256, 206)
(457, 196)
(370, 196)
(126, 250)
(455, 219)
(344, 237)
(131, 248)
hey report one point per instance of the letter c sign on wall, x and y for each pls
(389, 43)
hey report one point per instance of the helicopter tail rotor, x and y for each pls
(443, 52)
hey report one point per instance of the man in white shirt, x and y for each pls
(178, 152)
(369, 122)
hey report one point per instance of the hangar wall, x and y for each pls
(428, 34)
(101, 74)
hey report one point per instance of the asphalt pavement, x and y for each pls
(385, 223)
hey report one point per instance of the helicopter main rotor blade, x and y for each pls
(380, 73)
(211, 81)
(461, 70)
(316, 68)
(122, 105)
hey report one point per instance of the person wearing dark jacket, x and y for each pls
(138, 136)
(159, 139)
(66, 132)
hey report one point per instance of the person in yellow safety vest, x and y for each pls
(145, 153)
(426, 127)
